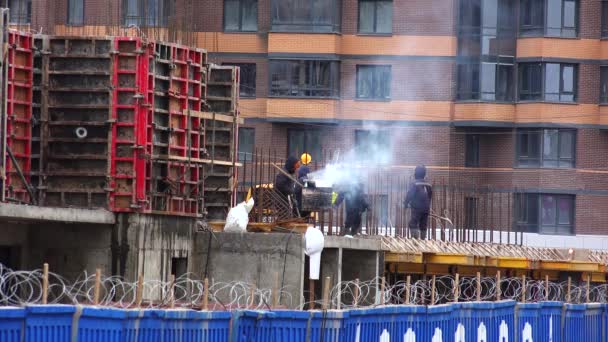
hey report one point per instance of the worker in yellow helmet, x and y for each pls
(303, 172)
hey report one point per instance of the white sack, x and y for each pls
(238, 217)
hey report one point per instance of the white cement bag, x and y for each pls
(315, 241)
(238, 217)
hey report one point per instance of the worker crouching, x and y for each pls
(356, 205)
(418, 198)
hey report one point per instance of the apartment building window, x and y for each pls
(247, 80)
(20, 11)
(604, 18)
(485, 81)
(471, 153)
(304, 140)
(548, 82)
(76, 12)
(553, 18)
(306, 15)
(147, 13)
(544, 213)
(373, 145)
(246, 143)
(604, 84)
(375, 16)
(551, 148)
(241, 15)
(374, 82)
(487, 28)
(304, 78)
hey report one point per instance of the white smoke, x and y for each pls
(353, 166)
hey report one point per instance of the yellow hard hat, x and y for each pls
(305, 158)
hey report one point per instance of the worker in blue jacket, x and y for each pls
(418, 199)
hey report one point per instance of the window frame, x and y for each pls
(540, 161)
(160, 22)
(254, 87)
(604, 21)
(334, 79)
(243, 156)
(604, 97)
(308, 24)
(240, 16)
(375, 16)
(543, 31)
(543, 90)
(538, 227)
(315, 153)
(472, 159)
(27, 13)
(375, 68)
(69, 20)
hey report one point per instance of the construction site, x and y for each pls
(129, 130)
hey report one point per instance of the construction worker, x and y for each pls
(284, 181)
(356, 205)
(418, 198)
(303, 172)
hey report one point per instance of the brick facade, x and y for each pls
(421, 113)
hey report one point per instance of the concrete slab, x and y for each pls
(20, 212)
(359, 243)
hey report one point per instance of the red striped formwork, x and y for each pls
(176, 137)
(120, 124)
(17, 125)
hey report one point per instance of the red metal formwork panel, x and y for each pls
(129, 114)
(175, 143)
(19, 115)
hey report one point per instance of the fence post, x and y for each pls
(140, 289)
(275, 291)
(171, 291)
(311, 298)
(356, 299)
(206, 294)
(382, 288)
(456, 288)
(407, 289)
(433, 291)
(547, 287)
(97, 286)
(326, 293)
(252, 295)
(45, 283)
(478, 287)
(588, 287)
(498, 288)
(523, 290)
(568, 290)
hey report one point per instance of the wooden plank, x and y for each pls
(217, 117)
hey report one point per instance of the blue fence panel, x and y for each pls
(369, 324)
(476, 320)
(574, 316)
(503, 321)
(289, 326)
(49, 323)
(593, 323)
(250, 326)
(327, 326)
(11, 324)
(144, 325)
(410, 320)
(528, 328)
(100, 324)
(440, 323)
(550, 320)
(190, 325)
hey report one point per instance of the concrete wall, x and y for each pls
(252, 258)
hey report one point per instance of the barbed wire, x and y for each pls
(351, 294)
(26, 287)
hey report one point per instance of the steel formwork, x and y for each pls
(119, 123)
(18, 145)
